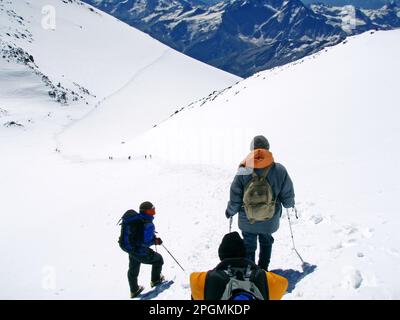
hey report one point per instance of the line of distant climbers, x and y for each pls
(130, 157)
(112, 158)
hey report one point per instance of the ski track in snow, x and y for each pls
(128, 83)
(140, 71)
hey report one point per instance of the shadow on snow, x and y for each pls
(156, 290)
(295, 276)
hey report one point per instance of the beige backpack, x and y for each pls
(258, 198)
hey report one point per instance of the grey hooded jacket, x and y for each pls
(282, 188)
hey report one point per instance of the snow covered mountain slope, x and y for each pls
(81, 56)
(340, 86)
(57, 235)
(332, 120)
(154, 92)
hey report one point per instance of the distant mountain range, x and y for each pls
(246, 36)
(365, 4)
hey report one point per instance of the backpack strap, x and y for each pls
(237, 272)
(228, 271)
(248, 273)
(241, 283)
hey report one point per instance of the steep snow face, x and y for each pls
(79, 55)
(332, 120)
(79, 45)
(151, 95)
(340, 83)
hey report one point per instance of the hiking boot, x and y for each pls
(137, 292)
(157, 282)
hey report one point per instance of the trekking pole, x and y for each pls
(173, 257)
(230, 224)
(291, 233)
(295, 212)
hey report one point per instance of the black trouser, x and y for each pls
(153, 258)
(266, 241)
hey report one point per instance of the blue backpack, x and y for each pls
(132, 229)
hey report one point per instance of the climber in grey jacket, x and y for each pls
(257, 161)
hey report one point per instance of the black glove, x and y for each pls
(227, 215)
(158, 241)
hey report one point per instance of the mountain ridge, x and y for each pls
(246, 36)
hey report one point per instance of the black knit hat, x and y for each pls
(232, 246)
(147, 205)
(259, 142)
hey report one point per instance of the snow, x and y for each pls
(331, 120)
(56, 242)
(294, 15)
(195, 22)
(143, 102)
(118, 65)
(206, 22)
(337, 135)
